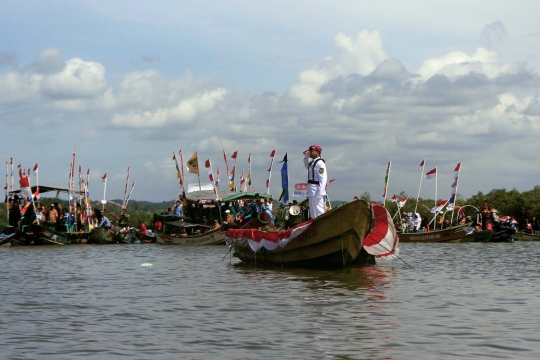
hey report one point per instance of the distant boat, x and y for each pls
(452, 234)
(526, 237)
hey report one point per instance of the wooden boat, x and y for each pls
(452, 234)
(21, 238)
(526, 237)
(50, 237)
(503, 235)
(197, 237)
(479, 236)
(332, 240)
(100, 235)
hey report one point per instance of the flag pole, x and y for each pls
(7, 189)
(125, 190)
(419, 186)
(386, 179)
(182, 171)
(435, 215)
(272, 155)
(455, 196)
(129, 195)
(104, 191)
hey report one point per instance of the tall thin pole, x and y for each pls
(456, 177)
(7, 189)
(423, 165)
(435, 215)
(386, 180)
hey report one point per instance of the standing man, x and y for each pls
(317, 178)
(178, 209)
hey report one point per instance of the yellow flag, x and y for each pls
(193, 164)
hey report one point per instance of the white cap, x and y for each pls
(227, 211)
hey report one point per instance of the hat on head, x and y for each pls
(227, 211)
(315, 147)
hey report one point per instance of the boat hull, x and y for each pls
(453, 234)
(526, 237)
(213, 237)
(332, 240)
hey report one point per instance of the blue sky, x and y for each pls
(129, 82)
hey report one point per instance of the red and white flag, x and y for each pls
(456, 170)
(421, 165)
(104, 178)
(403, 201)
(25, 187)
(208, 166)
(431, 174)
(272, 155)
(382, 241)
(438, 207)
(36, 169)
(234, 155)
(393, 198)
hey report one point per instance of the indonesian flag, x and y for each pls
(431, 174)
(393, 198)
(272, 155)
(36, 193)
(25, 187)
(382, 241)
(421, 165)
(104, 178)
(234, 155)
(456, 170)
(438, 207)
(36, 169)
(403, 201)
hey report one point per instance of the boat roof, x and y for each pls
(223, 195)
(184, 224)
(45, 188)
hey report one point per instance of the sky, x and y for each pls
(129, 83)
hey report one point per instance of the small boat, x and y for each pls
(50, 237)
(100, 235)
(526, 237)
(452, 234)
(5, 240)
(198, 234)
(332, 240)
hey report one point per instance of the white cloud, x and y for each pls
(16, 86)
(78, 79)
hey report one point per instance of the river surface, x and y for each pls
(458, 301)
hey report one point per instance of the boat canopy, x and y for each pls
(45, 188)
(223, 195)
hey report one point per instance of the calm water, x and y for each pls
(98, 302)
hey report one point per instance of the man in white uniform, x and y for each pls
(317, 177)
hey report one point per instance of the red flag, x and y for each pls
(249, 158)
(456, 170)
(393, 198)
(273, 153)
(421, 165)
(431, 174)
(36, 168)
(234, 155)
(104, 178)
(173, 156)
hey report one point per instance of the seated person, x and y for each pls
(217, 225)
(141, 230)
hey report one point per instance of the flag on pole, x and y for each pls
(421, 165)
(452, 200)
(393, 198)
(25, 187)
(208, 166)
(35, 169)
(104, 178)
(431, 174)
(456, 170)
(438, 207)
(272, 155)
(386, 180)
(248, 176)
(284, 181)
(403, 201)
(193, 164)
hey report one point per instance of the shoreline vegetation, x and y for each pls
(507, 202)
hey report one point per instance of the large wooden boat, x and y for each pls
(47, 236)
(452, 234)
(526, 237)
(332, 240)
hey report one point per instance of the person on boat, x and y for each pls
(14, 214)
(52, 217)
(317, 180)
(486, 214)
(216, 225)
(102, 220)
(122, 220)
(142, 230)
(255, 207)
(229, 219)
(178, 209)
(535, 225)
(158, 225)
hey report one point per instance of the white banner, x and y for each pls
(195, 187)
(300, 189)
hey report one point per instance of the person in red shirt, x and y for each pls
(142, 230)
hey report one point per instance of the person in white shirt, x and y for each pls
(317, 179)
